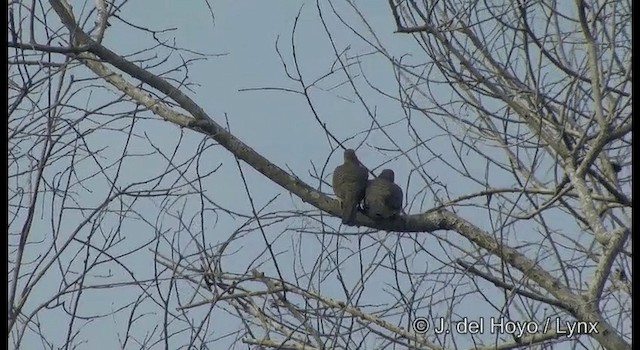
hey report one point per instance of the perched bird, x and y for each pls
(621, 275)
(616, 167)
(383, 198)
(349, 182)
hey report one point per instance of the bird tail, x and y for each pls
(349, 209)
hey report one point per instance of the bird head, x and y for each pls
(387, 174)
(350, 155)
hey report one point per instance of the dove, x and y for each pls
(383, 198)
(349, 183)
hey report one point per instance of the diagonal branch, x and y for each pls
(204, 123)
(579, 306)
(498, 283)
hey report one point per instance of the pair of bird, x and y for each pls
(382, 197)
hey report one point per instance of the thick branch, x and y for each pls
(204, 123)
(581, 308)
